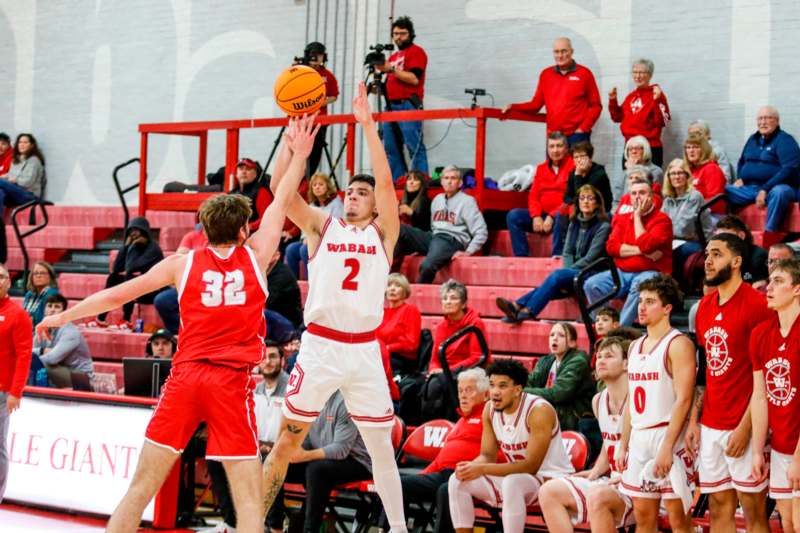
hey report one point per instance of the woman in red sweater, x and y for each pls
(401, 325)
(466, 351)
(707, 175)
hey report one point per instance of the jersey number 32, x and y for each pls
(223, 289)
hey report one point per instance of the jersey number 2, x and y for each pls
(223, 290)
(349, 283)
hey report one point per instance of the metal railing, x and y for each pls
(442, 355)
(698, 221)
(42, 204)
(122, 192)
(596, 266)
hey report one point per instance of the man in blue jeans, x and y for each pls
(768, 170)
(405, 89)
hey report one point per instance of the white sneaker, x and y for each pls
(222, 527)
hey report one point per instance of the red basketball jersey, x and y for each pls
(222, 308)
(724, 331)
(778, 357)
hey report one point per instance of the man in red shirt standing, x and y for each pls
(546, 197)
(316, 55)
(641, 246)
(569, 92)
(644, 111)
(16, 347)
(405, 89)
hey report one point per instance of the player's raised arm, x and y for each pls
(385, 199)
(300, 141)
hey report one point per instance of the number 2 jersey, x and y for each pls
(347, 278)
(221, 301)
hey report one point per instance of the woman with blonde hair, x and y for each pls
(401, 326)
(707, 176)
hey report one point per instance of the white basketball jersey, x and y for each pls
(513, 433)
(650, 392)
(347, 278)
(610, 426)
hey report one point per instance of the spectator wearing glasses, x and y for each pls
(637, 154)
(707, 178)
(701, 127)
(778, 252)
(41, 285)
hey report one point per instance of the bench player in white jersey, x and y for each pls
(348, 267)
(524, 427)
(593, 496)
(661, 378)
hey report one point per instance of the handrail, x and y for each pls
(22, 235)
(122, 192)
(698, 221)
(442, 355)
(580, 278)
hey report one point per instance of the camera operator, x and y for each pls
(315, 56)
(405, 89)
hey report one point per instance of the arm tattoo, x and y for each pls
(291, 428)
(698, 399)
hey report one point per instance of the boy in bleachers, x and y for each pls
(66, 351)
(607, 319)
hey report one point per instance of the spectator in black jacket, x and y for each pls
(415, 206)
(754, 266)
(138, 254)
(284, 311)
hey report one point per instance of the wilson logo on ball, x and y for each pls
(308, 104)
(299, 89)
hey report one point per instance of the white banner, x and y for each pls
(74, 455)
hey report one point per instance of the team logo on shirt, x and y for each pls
(444, 216)
(351, 248)
(636, 105)
(717, 354)
(778, 378)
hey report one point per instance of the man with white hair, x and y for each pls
(768, 170)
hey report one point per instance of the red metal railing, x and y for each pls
(487, 198)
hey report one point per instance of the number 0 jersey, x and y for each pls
(221, 301)
(650, 392)
(347, 278)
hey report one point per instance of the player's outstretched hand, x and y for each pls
(48, 322)
(305, 130)
(361, 108)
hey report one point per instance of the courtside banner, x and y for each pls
(74, 455)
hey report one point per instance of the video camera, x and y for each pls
(375, 57)
(312, 51)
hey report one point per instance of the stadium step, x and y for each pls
(756, 218)
(60, 237)
(495, 271)
(113, 345)
(78, 286)
(14, 260)
(500, 244)
(84, 262)
(113, 217)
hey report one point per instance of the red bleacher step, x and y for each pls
(15, 261)
(79, 286)
(113, 344)
(60, 237)
(539, 245)
(496, 271)
(113, 216)
(756, 218)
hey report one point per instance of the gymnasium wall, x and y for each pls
(81, 75)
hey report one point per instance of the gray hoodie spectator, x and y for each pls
(682, 210)
(460, 217)
(67, 347)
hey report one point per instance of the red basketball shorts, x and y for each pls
(220, 396)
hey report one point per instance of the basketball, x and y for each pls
(299, 89)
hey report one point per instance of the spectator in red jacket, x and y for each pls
(6, 154)
(569, 92)
(546, 197)
(15, 360)
(641, 246)
(401, 326)
(466, 351)
(707, 176)
(644, 111)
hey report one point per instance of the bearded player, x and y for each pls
(719, 425)
(222, 292)
(775, 349)
(348, 267)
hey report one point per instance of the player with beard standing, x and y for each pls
(775, 349)
(719, 424)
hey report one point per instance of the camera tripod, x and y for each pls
(333, 164)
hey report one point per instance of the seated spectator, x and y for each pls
(682, 204)
(322, 195)
(606, 320)
(458, 229)
(707, 176)
(138, 254)
(754, 262)
(563, 377)
(415, 206)
(533, 451)
(6, 154)
(463, 443)
(66, 351)
(767, 170)
(545, 198)
(333, 453)
(700, 127)
(24, 181)
(586, 237)
(624, 206)
(466, 351)
(41, 285)
(401, 326)
(161, 345)
(641, 246)
(284, 309)
(778, 252)
(637, 153)
(645, 111)
(268, 397)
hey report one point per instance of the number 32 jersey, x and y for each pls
(347, 278)
(221, 301)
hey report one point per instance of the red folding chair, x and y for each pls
(577, 447)
(425, 441)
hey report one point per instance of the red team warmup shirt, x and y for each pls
(413, 57)
(779, 359)
(222, 309)
(725, 333)
(641, 114)
(463, 443)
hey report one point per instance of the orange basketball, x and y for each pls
(299, 89)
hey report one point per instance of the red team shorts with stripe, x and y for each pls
(220, 396)
(351, 363)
